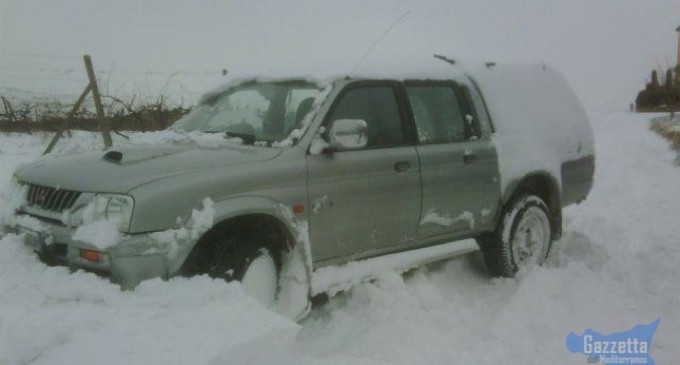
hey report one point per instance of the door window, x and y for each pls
(298, 105)
(378, 107)
(437, 113)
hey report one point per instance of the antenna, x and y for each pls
(445, 59)
(377, 41)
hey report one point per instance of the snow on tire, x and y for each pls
(260, 276)
(523, 237)
(239, 253)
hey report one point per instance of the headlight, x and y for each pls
(115, 208)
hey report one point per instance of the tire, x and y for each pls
(238, 255)
(523, 237)
(258, 272)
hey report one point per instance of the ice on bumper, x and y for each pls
(134, 258)
(92, 235)
(102, 234)
(51, 316)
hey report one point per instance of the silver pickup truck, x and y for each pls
(321, 173)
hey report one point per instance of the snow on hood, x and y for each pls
(92, 172)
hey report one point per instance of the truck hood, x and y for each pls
(119, 170)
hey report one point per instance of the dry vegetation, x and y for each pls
(668, 127)
(125, 115)
(661, 94)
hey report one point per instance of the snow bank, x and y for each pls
(332, 280)
(49, 316)
(668, 127)
(615, 267)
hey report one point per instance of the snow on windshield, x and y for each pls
(82, 141)
(258, 112)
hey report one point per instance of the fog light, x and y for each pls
(90, 255)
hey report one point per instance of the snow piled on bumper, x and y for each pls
(50, 316)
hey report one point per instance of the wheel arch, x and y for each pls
(545, 186)
(290, 236)
(265, 215)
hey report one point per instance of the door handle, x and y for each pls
(402, 166)
(469, 157)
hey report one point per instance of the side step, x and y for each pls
(334, 279)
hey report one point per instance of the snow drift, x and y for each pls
(615, 267)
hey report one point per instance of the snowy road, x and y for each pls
(617, 266)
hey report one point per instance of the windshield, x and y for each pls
(256, 111)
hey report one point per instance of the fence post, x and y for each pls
(8, 109)
(104, 125)
(70, 116)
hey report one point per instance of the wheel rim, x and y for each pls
(532, 238)
(260, 279)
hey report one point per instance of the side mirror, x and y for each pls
(348, 134)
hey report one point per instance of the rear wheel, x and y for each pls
(523, 237)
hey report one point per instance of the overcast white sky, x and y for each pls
(605, 48)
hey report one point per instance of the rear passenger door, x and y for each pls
(459, 165)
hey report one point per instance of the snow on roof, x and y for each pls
(420, 67)
(400, 67)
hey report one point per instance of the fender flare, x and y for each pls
(297, 270)
(555, 197)
(244, 205)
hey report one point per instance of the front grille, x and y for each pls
(51, 199)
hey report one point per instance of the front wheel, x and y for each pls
(260, 276)
(523, 237)
(241, 254)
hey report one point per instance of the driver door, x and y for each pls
(365, 202)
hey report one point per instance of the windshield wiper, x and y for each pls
(248, 139)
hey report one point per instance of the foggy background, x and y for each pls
(605, 48)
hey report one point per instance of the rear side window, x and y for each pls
(378, 107)
(483, 120)
(437, 113)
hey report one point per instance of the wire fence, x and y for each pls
(39, 92)
(32, 77)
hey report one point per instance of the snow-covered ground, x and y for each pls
(617, 265)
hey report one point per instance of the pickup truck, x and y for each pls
(320, 174)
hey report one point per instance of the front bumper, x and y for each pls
(131, 260)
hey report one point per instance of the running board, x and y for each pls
(334, 279)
